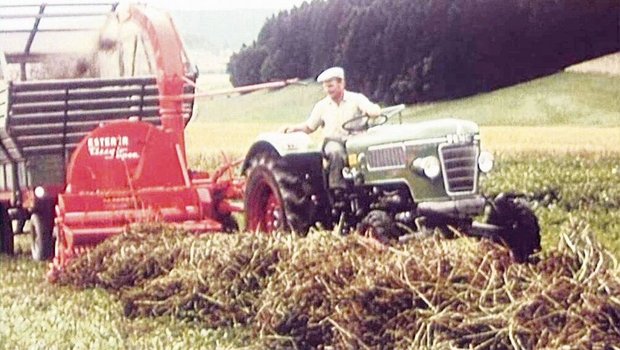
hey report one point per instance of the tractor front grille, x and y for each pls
(386, 157)
(460, 167)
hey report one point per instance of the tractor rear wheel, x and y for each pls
(521, 231)
(6, 231)
(18, 226)
(42, 246)
(276, 197)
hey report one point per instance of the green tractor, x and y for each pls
(404, 181)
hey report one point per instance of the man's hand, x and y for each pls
(295, 128)
(371, 110)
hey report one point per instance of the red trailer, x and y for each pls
(66, 69)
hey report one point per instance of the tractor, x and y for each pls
(404, 180)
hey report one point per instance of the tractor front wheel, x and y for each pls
(379, 225)
(521, 232)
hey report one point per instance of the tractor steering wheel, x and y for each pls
(363, 123)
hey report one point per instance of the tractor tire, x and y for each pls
(18, 226)
(379, 225)
(276, 197)
(229, 224)
(521, 230)
(6, 232)
(42, 227)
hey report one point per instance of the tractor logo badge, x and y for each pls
(111, 147)
(460, 138)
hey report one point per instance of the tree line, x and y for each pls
(422, 50)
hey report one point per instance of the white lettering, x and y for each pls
(123, 154)
(111, 147)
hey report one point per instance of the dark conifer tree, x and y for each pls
(423, 50)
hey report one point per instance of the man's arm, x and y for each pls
(296, 128)
(367, 107)
(310, 125)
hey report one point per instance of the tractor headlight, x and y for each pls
(428, 166)
(39, 192)
(485, 162)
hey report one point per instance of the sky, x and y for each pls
(187, 4)
(226, 4)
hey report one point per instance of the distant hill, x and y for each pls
(211, 36)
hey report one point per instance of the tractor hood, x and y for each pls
(412, 131)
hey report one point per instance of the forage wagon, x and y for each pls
(93, 102)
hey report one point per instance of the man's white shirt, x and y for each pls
(331, 116)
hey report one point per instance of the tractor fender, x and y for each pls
(282, 145)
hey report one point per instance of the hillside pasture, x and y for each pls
(563, 99)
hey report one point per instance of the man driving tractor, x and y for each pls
(337, 108)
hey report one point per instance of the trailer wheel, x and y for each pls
(521, 230)
(276, 199)
(42, 227)
(6, 232)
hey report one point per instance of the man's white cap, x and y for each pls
(331, 73)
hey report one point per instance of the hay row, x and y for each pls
(349, 292)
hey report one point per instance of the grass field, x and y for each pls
(37, 315)
(557, 139)
(562, 99)
(560, 139)
(565, 112)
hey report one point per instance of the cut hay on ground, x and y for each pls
(350, 292)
